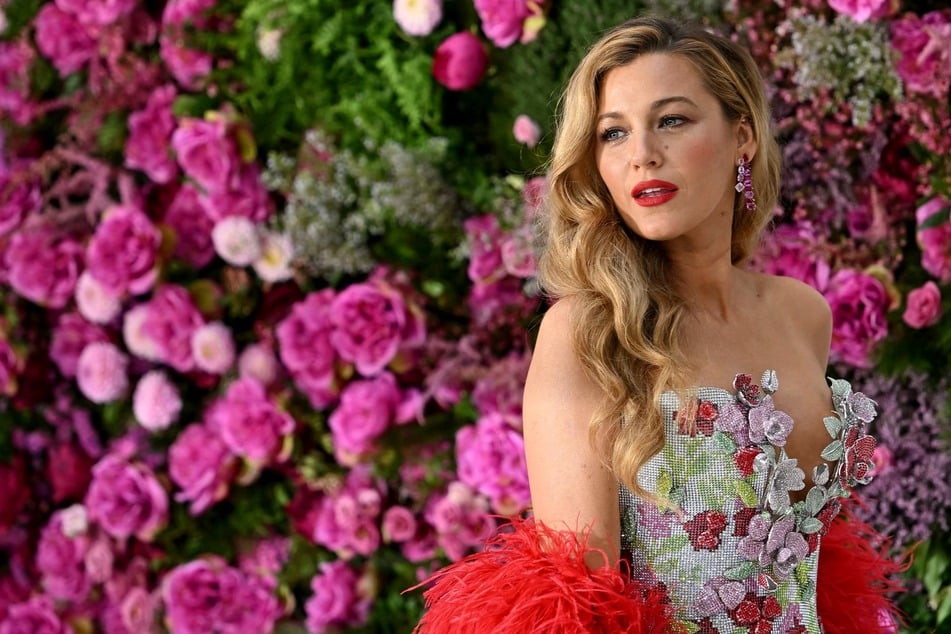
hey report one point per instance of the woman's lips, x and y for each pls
(653, 192)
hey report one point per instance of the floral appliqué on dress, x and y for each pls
(732, 548)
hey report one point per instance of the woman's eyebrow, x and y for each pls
(660, 103)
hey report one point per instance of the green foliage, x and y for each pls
(19, 14)
(930, 611)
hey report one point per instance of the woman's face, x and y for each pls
(666, 151)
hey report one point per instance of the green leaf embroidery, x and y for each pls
(833, 425)
(738, 573)
(724, 442)
(810, 525)
(833, 451)
(664, 483)
(815, 500)
(746, 492)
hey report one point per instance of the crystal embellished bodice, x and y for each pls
(735, 553)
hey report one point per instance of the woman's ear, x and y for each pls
(746, 144)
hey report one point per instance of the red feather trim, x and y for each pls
(855, 578)
(531, 578)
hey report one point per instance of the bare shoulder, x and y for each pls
(803, 308)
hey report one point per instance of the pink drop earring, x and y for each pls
(744, 183)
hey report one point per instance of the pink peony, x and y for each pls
(179, 12)
(246, 197)
(518, 253)
(169, 322)
(70, 337)
(98, 12)
(417, 17)
(201, 466)
(370, 321)
(249, 423)
(366, 410)
(485, 255)
(304, 337)
(213, 348)
(257, 361)
(399, 524)
(123, 252)
(460, 61)
(36, 616)
(796, 251)
(526, 131)
(461, 519)
(60, 559)
(859, 302)
(17, 199)
(101, 372)
(347, 520)
(99, 560)
(502, 20)
(16, 58)
(491, 460)
(499, 390)
(126, 499)
(924, 48)
(860, 10)
(156, 403)
(236, 240)
(148, 146)
(94, 301)
(62, 39)
(192, 227)
(338, 601)
(43, 267)
(935, 241)
(266, 559)
(188, 66)
(924, 306)
(206, 152)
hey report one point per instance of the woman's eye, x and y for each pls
(611, 134)
(671, 121)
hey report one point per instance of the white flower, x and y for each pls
(101, 372)
(156, 402)
(258, 362)
(136, 340)
(236, 240)
(269, 43)
(94, 301)
(213, 348)
(274, 263)
(75, 520)
(417, 17)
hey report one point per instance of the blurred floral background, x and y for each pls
(268, 294)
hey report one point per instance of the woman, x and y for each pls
(676, 413)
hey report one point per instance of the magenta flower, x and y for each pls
(200, 464)
(62, 39)
(70, 337)
(122, 253)
(860, 10)
(935, 241)
(338, 600)
(924, 306)
(491, 459)
(35, 616)
(43, 267)
(169, 321)
(366, 410)
(485, 256)
(370, 320)
(859, 303)
(101, 372)
(156, 402)
(188, 66)
(249, 423)
(148, 146)
(399, 524)
(17, 199)
(16, 58)
(346, 520)
(126, 499)
(257, 361)
(518, 253)
(97, 12)
(245, 197)
(502, 20)
(460, 61)
(186, 216)
(924, 52)
(206, 152)
(60, 560)
(304, 337)
(499, 391)
(460, 518)
(526, 131)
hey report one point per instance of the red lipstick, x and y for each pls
(653, 192)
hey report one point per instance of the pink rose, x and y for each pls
(17, 199)
(150, 129)
(460, 61)
(98, 12)
(924, 306)
(249, 423)
(62, 39)
(924, 49)
(200, 465)
(156, 402)
(206, 152)
(122, 253)
(859, 303)
(370, 321)
(16, 58)
(491, 460)
(188, 66)
(70, 336)
(36, 616)
(461, 519)
(337, 602)
(101, 372)
(526, 131)
(60, 560)
(499, 390)
(796, 251)
(518, 252)
(257, 361)
(126, 499)
(245, 197)
(186, 216)
(485, 255)
(366, 410)
(399, 524)
(42, 266)
(306, 349)
(502, 20)
(170, 319)
(860, 10)
(935, 242)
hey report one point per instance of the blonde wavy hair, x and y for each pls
(625, 315)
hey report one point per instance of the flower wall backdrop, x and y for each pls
(268, 297)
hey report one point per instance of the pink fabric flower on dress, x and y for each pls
(460, 61)
(768, 424)
(924, 306)
(101, 372)
(148, 146)
(502, 20)
(123, 252)
(126, 499)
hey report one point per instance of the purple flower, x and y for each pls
(785, 547)
(491, 459)
(126, 499)
(306, 349)
(36, 616)
(206, 152)
(43, 267)
(924, 52)
(150, 129)
(122, 253)
(768, 424)
(366, 410)
(370, 320)
(460, 61)
(70, 337)
(502, 20)
(249, 423)
(101, 372)
(60, 560)
(338, 600)
(98, 12)
(200, 464)
(859, 303)
(187, 218)
(156, 402)
(62, 39)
